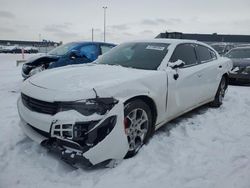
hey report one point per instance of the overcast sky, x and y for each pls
(72, 20)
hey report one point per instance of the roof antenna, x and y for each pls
(96, 96)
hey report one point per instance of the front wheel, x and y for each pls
(220, 94)
(138, 125)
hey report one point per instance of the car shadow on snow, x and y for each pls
(166, 128)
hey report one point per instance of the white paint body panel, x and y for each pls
(195, 86)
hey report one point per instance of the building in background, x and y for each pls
(43, 46)
(208, 38)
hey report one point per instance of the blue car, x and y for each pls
(67, 54)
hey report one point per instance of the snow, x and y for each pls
(205, 148)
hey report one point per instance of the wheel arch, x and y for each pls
(150, 102)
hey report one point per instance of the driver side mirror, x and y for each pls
(178, 64)
(74, 54)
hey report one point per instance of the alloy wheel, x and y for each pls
(136, 127)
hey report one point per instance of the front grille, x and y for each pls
(39, 106)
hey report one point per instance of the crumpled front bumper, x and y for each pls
(112, 145)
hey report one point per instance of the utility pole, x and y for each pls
(39, 42)
(92, 34)
(104, 33)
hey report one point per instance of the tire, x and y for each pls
(138, 125)
(220, 94)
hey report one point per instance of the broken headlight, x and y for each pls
(36, 70)
(88, 107)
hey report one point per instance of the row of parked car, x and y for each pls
(18, 49)
(86, 52)
(102, 112)
(240, 55)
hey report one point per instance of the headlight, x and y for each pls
(88, 107)
(36, 70)
(27, 68)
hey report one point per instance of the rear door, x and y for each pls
(184, 92)
(210, 71)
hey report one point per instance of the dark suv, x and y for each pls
(67, 54)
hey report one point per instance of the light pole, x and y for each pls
(92, 31)
(39, 42)
(104, 33)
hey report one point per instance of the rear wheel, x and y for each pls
(138, 125)
(220, 93)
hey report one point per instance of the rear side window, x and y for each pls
(213, 54)
(186, 53)
(204, 54)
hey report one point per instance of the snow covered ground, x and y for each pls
(207, 148)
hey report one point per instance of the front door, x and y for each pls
(184, 92)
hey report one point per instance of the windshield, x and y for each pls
(63, 49)
(239, 53)
(219, 48)
(138, 55)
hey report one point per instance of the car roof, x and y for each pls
(169, 41)
(172, 41)
(92, 42)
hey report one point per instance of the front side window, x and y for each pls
(204, 54)
(139, 55)
(186, 53)
(89, 51)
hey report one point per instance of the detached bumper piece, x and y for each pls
(85, 134)
(72, 157)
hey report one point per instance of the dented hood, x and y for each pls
(86, 77)
(38, 59)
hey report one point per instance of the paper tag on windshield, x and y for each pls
(150, 47)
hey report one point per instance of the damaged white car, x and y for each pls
(102, 112)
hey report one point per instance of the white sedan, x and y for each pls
(105, 111)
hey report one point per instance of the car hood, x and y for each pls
(87, 78)
(34, 59)
(241, 62)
